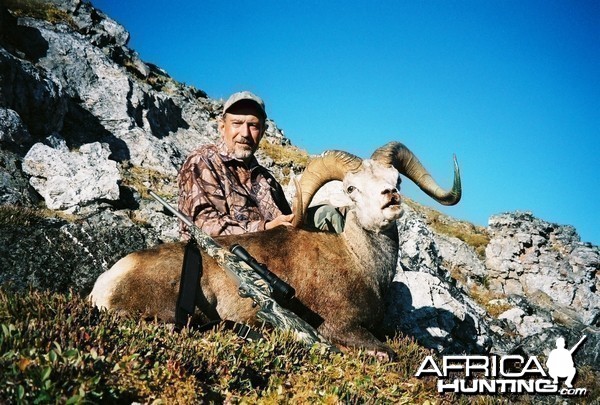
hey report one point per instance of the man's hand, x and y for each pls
(285, 220)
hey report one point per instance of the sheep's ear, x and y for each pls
(332, 193)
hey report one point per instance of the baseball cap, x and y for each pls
(245, 95)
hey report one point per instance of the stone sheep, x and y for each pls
(341, 277)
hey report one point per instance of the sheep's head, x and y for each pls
(372, 185)
(374, 195)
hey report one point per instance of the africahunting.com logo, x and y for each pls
(510, 374)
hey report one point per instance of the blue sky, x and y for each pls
(511, 87)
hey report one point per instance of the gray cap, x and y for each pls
(245, 95)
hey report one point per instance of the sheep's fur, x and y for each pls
(320, 266)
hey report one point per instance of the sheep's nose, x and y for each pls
(389, 191)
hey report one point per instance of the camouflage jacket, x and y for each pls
(223, 196)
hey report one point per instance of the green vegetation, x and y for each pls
(39, 9)
(57, 348)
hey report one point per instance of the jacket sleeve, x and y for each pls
(202, 198)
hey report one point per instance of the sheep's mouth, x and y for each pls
(391, 203)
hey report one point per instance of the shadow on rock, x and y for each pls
(82, 127)
(433, 327)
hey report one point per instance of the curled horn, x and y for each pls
(400, 157)
(331, 165)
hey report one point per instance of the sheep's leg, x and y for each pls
(360, 337)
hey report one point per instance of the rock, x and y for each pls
(528, 255)
(418, 249)
(14, 184)
(457, 254)
(12, 129)
(58, 255)
(424, 301)
(527, 325)
(64, 178)
(436, 315)
(33, 95)
(85, 73)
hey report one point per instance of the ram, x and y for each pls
(341, 277)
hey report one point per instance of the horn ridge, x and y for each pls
(399, 156)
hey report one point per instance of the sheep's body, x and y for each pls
(334, 277)
(342, 278)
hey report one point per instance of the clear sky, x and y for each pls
(511, 87)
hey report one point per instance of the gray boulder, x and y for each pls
(425, 301)
(70, 179)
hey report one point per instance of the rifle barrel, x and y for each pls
(168, 206)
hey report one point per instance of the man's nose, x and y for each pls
(245, 130)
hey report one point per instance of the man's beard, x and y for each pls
(242, 153)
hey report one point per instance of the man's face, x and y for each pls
(242, 128)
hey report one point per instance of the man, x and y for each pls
(222, 188)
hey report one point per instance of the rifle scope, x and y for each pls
(281, 289)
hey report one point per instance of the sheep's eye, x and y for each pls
(350, 189)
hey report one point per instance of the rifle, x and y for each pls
(250, 284)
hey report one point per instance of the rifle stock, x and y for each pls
(250, 284)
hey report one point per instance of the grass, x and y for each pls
(141, 179)
(475, 236)
(57, 348)
(39, 9)
(493, 302)
(287, 155)
(22, 216)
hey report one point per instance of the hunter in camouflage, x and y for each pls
(222, 188)
(224, 196)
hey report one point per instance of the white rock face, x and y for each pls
(67, 179)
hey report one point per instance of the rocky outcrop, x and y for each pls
(86, 127)
(426, 302)
(528, 256)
